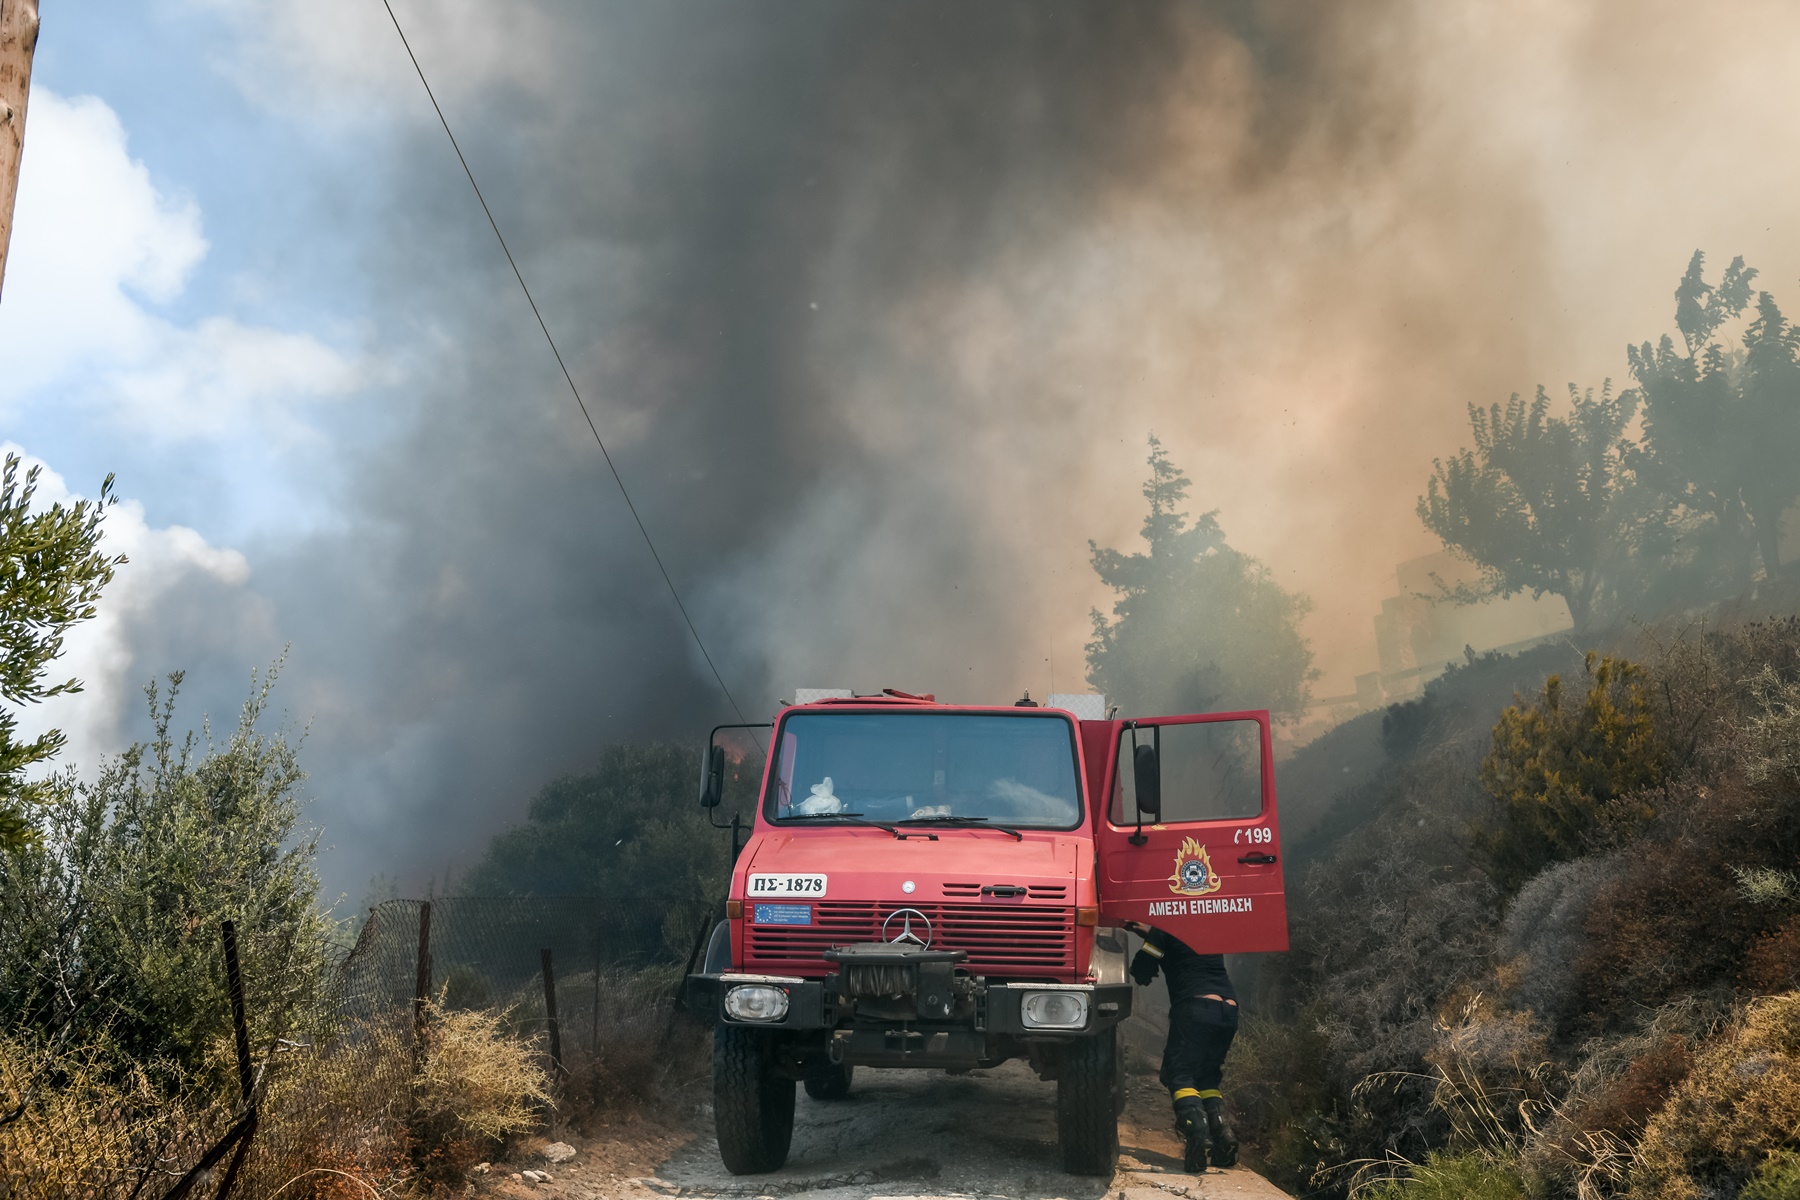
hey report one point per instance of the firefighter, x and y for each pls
(1203, 1020)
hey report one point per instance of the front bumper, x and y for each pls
(815, 1004)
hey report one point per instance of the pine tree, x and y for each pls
(1198, 626)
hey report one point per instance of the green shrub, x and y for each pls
(118, 902)
(1777, 1179)
(1451, 1177)
(1554, 768)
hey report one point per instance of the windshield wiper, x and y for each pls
(851, 818)
(981, 822)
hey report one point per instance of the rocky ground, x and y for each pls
(904, 1135)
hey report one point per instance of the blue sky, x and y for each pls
(249, 185)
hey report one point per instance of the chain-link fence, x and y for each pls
(585, 986)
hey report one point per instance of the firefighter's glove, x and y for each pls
(1144, 967)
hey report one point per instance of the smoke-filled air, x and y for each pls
(876, 308)
(1212, 355)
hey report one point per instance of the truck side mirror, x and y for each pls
(712, 777)
(1146, 772)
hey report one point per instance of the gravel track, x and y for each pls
(913, 1135)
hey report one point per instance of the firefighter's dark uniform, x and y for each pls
(1201, 1028)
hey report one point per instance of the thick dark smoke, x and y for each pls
(875, 304)
(745, 225)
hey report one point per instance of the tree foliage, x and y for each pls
(1572, 506)
(1544, 504)
(1198, 626)
(117, 904)
(629, 829)
(51, 574)
(1722, 424)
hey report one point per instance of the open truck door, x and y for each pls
(1188, 838)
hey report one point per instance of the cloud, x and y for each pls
(341, 61)
(167, 564)
(97, 249)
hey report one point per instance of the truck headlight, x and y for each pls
(756, 1002)
(1054, 1010)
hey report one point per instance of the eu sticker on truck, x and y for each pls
(786, 885)
(783, 914)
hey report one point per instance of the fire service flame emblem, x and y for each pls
(1194, 874)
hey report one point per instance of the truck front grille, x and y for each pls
(1000, 939)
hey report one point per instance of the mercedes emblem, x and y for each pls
(912, 921)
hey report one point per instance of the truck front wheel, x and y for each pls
(753, 1103)
(1087, 1114)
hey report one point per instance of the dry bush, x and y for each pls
(1546, 929)
(334, 1115)
(1278, 1083)
(1640, 1090)
(1585, 1142)
(1740, 1104)
(1712, 684)
(1493, 1074)
(331, 1122)
(477, 1086)
(640, 1050)
(87, 1129)
(1774, 963)
(1675, 922)
(1387, 927)
(1771, 741)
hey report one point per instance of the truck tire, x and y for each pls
(753, 1103)
(1087, 1115)
(826, 1080)
(1119, 1092)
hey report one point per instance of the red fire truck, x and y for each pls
(943, 886)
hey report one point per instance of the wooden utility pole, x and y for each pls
(18, 38)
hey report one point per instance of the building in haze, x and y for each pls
(1421, 630)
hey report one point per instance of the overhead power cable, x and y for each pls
(573, 390)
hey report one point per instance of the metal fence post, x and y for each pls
(246, 1079)
(422, 984)
(243, 1129)
(234, 982)
(594, 1032)
(550, 1013)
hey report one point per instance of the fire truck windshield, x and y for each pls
(892, 766)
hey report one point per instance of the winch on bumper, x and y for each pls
(896, 1005)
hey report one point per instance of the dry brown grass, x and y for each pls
(1739, 1104)
(345, 1114)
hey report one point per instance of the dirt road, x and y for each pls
(914, 1134)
